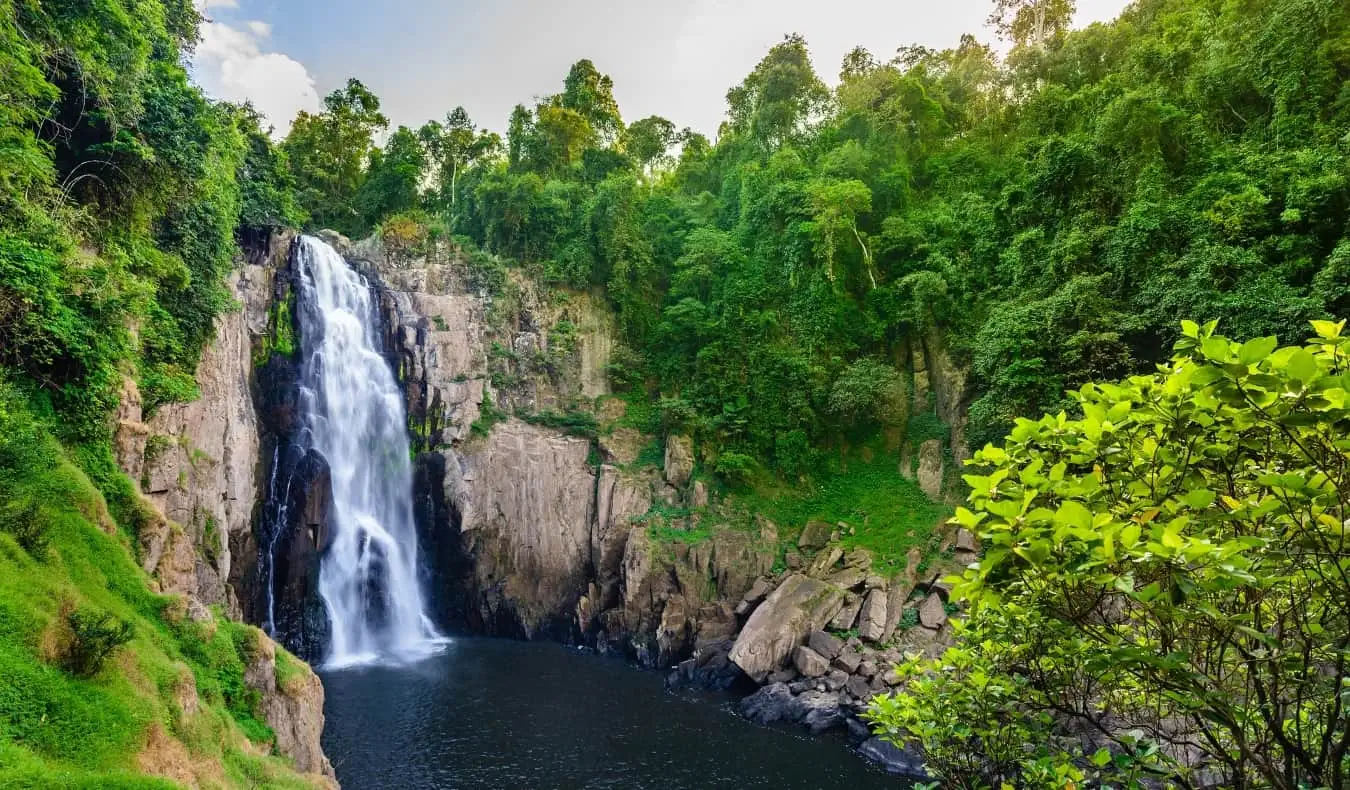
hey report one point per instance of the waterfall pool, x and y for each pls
(490, 713)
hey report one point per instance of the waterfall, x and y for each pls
(354, 418)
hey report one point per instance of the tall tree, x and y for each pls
(328, 152)
(649, 140)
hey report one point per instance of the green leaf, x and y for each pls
(1257, 349)
(1199, 499)
(1074, 514)
(1302, 365)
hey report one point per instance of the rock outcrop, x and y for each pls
(197, 463)
(291, 702)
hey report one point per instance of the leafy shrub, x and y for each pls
(23, 521)
(736, 468)
(1177, 555)
(95, 636)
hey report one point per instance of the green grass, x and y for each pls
(889, 514)
(61, 731)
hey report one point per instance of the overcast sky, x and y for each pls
(422, 57)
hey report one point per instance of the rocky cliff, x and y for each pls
(199, 467)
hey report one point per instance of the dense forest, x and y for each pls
(1055, 213)
(1171, 548)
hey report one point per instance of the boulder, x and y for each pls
(848, 660)
(872, 617)
(932, 614)
(868, 669)
(896, 761)
(848, 615)
(815, 535)
(825, 561)
(770, 704)
(930, 468)
(783, 676)
(827, 645)
(810, 663)
(818, 711)
(679, 460)
(848, 578)
(858, 687)
(965, 540)
(799, 606)
(860, 559)
(836, 680)
(891, 677)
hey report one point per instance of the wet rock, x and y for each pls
(818, 711)
(872, 617)
(808, 662)
(770, 704)
(827, 645)
(896, 761)
(815, 535)
(799, 686)
(932, 614)
(783, 676)
(799, 606)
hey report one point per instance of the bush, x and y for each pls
(95, 636)
(1172, 563)
(23, 521)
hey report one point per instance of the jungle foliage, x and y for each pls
(1053, 214)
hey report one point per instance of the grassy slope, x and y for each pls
(58, 731)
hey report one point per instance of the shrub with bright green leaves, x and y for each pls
(1176, 563)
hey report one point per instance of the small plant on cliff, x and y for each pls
(95, 636)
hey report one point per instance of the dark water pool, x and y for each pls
(499, 714)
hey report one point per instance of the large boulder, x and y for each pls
(799, 606)
(872, 618)
(896, 761)
(809, 663)
(770, 704)
(933, 614)
(818, 711)
(826, 644)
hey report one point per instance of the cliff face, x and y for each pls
(199, 467)
(198, 463)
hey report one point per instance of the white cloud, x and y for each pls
(230, 63)
(203, 5)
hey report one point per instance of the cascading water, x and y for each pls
(354, 418)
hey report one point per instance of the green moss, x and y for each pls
(488, 416)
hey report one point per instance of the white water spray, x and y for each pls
(355, 418)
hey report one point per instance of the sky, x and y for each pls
(675, 58)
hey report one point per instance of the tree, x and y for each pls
(1031, 22)
(394, 178)
(328, 153)
(835, 206)
(590, 94)
(649, 140)
(1174, 565)
(781, 97)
